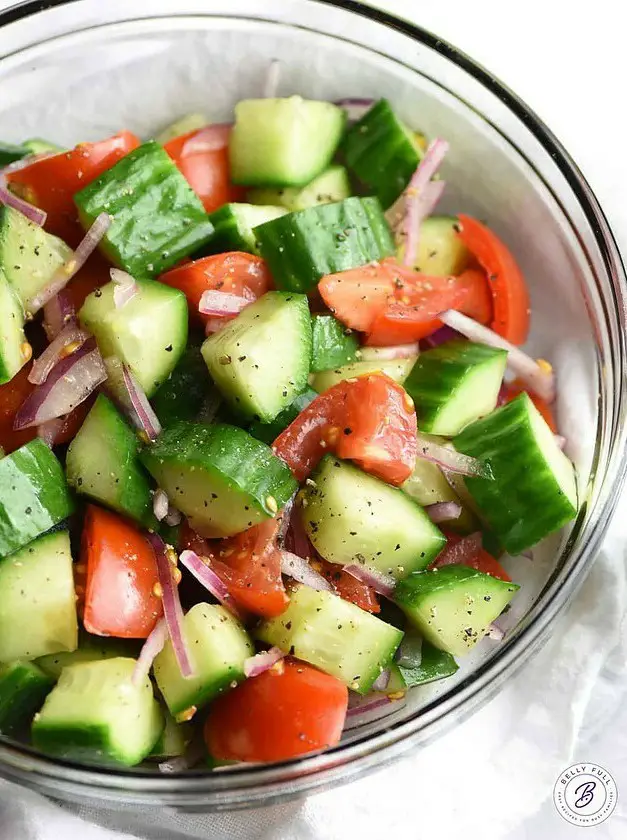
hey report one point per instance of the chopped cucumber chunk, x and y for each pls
(173, 740)
(396, 369)
(260, 361)
(219, 476)
(330, 186)
(10, 152)
(12, 339)
(234, 225)
(183, 394)
(534, 491)
(353, 517)
(435, 664)
(269, 432)
(441, 252)
(37, 601)
(184, 125)
(453, 606)
(283, 142)
(334, 635)
(333, 344)
(90, 649)
(23, 688)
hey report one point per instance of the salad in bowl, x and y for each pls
(267, 433)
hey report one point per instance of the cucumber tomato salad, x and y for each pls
(266, 430)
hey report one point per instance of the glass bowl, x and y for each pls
(84, 69)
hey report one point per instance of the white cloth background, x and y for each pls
(490, 777)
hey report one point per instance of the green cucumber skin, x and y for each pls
(232, 232)
(23, 689)
(380, 151)
(12, 335)
(106, 433)
(35, 495)
(330, 186)
(269, 432)
(303, 247)
(524, 502)
(245, 464)
(439, 372)
(157, 219)
(182, 395)
(333, 345)
(435, 664)
(9, 153)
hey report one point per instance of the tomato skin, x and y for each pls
(348, 587)
(51, 183)
(207, 172)
(350, 419)
(121, 573)
(355, 297)
(483, 562)
(506, 282)
(94, 274)
(510, 391)
(13, 394)
(235, 272)
(284, 712)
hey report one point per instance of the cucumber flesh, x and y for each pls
(455, 384)
(301, 248)
(283, 142)
(37, 146)
(23, 689)
(353, 517)
(90, 649)
(453, 606)
(96, 713)
(10, 152)
(173, 740)
(260, 360)
(34, 496)
(102, 463)
(184, 125)
(534, 491)
(396, 369)
(333, 344)
(28, 255)
(12, 338)
(219, 476)
(234, 225)
(435, 664)
(157, 219)
(333, 635)
(149, 333)
(183, 394)
(441, 252)
(269, 432)
(330, 186)
(382, 152)
(37, 601)
(218, 646)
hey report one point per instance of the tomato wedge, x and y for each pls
(511, 390)
(203, 158)
(370, 420)
(289, 710)
(12, 395)
(95, 273)
(358, 295)
(506, 282)
(348, 587)
(482, 561)
(235, 272)
(121, 575)
(50, 183)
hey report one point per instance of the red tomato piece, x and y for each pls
(235, 272)
(51, 183)
(506, 282)
(511, 390)
(351, 418)
(356, 297)
(482, 561)
(121, 574)
(348, 587)
(206, 169)
(287, 711)
(94, 274)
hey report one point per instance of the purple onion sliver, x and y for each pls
(382, 681)
(260, 662)
(148, 420)
(443, 511)
(451, 460)
(58, 313)
(495, 632)
(286, 516)
(173, 517)
(33, 214)
(49, 430)
(151, 648)
(125, 287)
(298, 568)
(160, 504)
(381, 583)
(209, 579)
(172, 609)
(216, 303)
(52, 354)
(441, 336)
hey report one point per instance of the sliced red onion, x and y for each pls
(125, 287)
(209, 139)
(382, 681)
(173, 516)
(560, 440)
(58, 313)
(495, 632)
(380, 582)
(271, 82)
(172, 610)
(355, 714)
(160, 504)
(443, 511)
(440, 336)
(32, 213)
(451, 460)
(296, 539)
(142, 413)
(298, 568)
(260, 662)
(286, 517)
(539, 379)
(64, 274)
(69, 383)
(54, 352)
(460, 553)
(196, 751)
(205, 575)
(49, 430)
(399, 351)
(214, 325)
(217, 303)
(151, 648)
(355, 108)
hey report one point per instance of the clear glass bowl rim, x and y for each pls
(254, 785)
